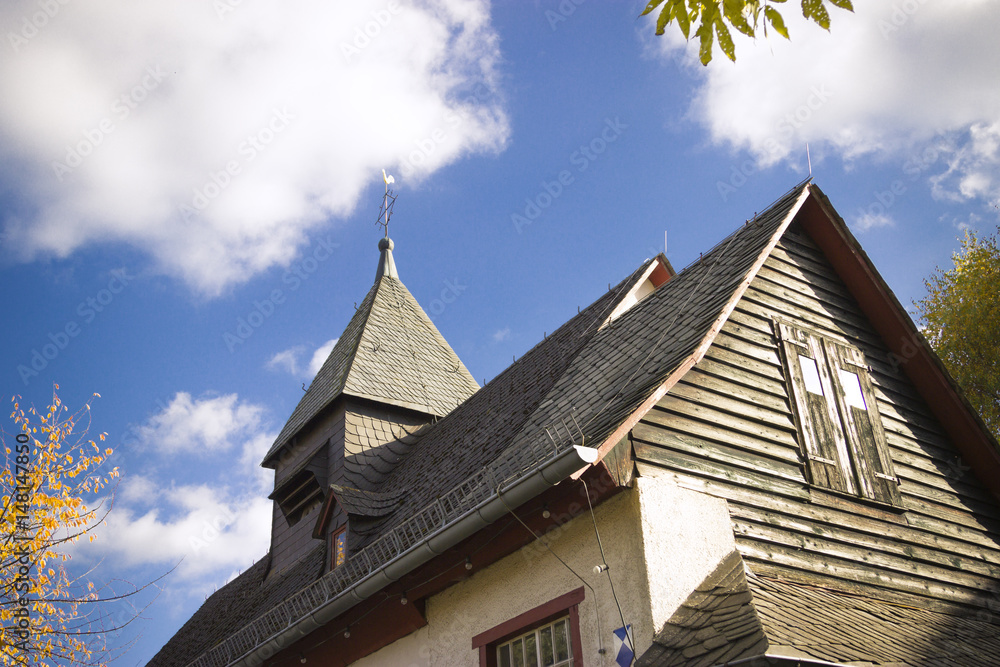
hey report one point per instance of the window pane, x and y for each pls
(503, 656)
(852, 390)
(546, 641)
(530, 651)
(810, 374)
(517, 651)
(561, 643)
(339, 548)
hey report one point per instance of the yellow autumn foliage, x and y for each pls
(50, 468)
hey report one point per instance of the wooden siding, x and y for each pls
(291, 543)
(728, 429)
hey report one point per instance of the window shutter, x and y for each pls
(862, 423)
(817, 417)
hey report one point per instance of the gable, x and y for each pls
(729, 428)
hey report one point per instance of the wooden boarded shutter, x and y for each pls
(862, 423)
(818, 420)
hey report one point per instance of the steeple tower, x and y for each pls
(389, 374)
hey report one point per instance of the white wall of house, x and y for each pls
(660, 540)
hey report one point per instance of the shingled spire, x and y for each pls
(390, 353)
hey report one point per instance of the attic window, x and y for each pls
(298, 495)
(839, 425)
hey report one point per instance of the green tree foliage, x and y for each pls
(712, 19)
(961, 317)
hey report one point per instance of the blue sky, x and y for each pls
(189, 192)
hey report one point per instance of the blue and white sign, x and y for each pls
(623, 646)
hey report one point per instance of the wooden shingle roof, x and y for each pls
(588, 380)
(736, 615)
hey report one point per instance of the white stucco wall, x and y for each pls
(413, 650)
(660, 542)
(685, 535)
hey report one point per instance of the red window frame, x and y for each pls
(564, 605)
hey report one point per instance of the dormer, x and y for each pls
(657, 273)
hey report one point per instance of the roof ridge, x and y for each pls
(352, 356)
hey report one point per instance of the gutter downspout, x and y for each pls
(519, 492)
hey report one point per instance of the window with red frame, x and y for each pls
(546, 636)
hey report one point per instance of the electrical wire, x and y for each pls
(600, 633)
(607, 570)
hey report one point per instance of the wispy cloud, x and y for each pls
(870, 220)
(217, 143)
(501, 335)
(320, 355)
(286, 360)
(289, 360)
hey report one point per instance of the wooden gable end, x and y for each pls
(925, 529)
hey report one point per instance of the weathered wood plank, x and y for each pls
(949, 498)
(749, 334)
(740, 403)
(744, 391)
(932, 531)
(732, 358)
(859, 572)
(717, 452)
(943, 481)
(794, 271)
(681, 406)
(810, 290)
(806, 304)
(788, 451)
(740, 376)
(821, 269)
(866, 535)
(921, 504)
(906, 429)
(826, 542)
(694, 465)
(764, 305)
(899, 412)
(767, 354)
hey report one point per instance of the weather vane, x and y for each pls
(388, 201)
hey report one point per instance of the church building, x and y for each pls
(756, 461)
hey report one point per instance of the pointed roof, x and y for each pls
(595, 377)
(390, 353)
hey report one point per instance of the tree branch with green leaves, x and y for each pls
(961, 320)
(712, 20)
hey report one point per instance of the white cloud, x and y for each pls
(215, 522)
(203, 425)
(502, 335)
(870, 220)
(320, 355)
(288, 360)
(885, 82)
(266, 121)
(206, 530)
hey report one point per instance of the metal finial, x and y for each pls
(388, 200)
